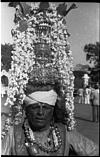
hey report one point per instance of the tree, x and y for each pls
(6, 56)
(92, 52)
(92, 55)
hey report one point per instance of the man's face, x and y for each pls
(39, 115)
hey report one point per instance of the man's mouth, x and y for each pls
(40, 119)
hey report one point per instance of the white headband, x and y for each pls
(48, 97)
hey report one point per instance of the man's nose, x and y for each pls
(40, 110)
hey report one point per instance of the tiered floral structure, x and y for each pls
(42, 55)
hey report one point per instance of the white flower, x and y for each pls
(35, 5)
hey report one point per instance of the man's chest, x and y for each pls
(39, 149)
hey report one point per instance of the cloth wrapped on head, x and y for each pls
(48, 97)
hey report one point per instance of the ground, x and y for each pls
(85, 125)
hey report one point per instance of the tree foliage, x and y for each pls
(92, 52)
(6, 56)
(92, 55)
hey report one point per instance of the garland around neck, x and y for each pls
(31, 141)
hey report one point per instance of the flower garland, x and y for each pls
(31, 141)
(65, 65)
(23, 59)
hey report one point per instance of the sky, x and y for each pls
(82, 24)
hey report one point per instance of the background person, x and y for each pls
(80, 95)
(95, 103)
(87, 93)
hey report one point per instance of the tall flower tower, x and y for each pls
(41, 54)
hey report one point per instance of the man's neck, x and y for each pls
(39, 129)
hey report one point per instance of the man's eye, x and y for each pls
(32, 108)
(45, 107)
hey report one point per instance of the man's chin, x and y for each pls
(39, 126)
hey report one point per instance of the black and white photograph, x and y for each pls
(50, 78)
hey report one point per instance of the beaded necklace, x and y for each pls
(30, 140)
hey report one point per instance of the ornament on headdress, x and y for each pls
(42, 53)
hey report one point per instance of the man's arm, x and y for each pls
(82, 145)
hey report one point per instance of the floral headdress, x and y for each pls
(41, 53)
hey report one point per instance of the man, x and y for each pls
(41, 90)
(80, 94)
(87, 93)
(95, 103)
(43, 132)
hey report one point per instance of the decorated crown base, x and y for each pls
(47, 75)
